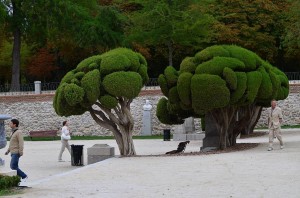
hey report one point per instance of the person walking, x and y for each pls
(65, 137)
(274, 122)
(16, 146)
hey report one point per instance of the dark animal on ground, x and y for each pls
(180, 148)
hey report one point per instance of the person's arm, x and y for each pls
(21, 143)
(6, 153)
(280, 117)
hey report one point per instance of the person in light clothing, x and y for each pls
(274, 123)
(65, 137)
(16, 147)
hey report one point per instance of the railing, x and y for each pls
(50, 87)
(293, 75)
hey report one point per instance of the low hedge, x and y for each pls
(7, 182)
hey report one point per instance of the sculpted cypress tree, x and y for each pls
(105, 86)
(224, 83)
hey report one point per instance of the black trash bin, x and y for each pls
(167, 134)
(77, 155)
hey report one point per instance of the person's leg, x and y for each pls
(279, 137)
(68, 146)
(63, 146)
(271, 138)
(14, 165)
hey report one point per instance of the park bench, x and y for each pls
(48, 133)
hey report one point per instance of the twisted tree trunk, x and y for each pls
(227, 123)
(118, 120)
(223, 119)
(252, 113)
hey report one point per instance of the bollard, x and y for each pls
(37, 87)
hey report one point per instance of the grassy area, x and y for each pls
(9, 192)
(283, 127)
(290, 127)
(94, 138)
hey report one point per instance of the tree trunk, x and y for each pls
(222, 121)
(252, 114)
(16, 53)
(227, 125)
(120, 122)
(125, 142)
(170, 49)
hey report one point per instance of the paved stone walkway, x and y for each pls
(250, 173)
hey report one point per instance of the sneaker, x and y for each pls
(270, 149)
(60, 160)
(281, 147)
(2, 162)
(24, 179)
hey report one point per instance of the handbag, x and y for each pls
(65, 137)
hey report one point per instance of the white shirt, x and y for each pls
(65, 131)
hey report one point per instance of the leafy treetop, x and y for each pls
(115, 75)
(218, 77)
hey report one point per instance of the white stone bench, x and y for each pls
(99, 152)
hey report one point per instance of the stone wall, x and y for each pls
(290, 109)
(35, 112)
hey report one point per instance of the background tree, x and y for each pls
(43, 57)
(257, 25)
(292, 35)
(5, 60)
(218, 82)
(105, 86)
(169, 23)
(50, 22)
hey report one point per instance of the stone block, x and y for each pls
(195, 136)
(8, 172)
(100, 152)
(186, 137)
(179, 137)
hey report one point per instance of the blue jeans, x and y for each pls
(14, 165)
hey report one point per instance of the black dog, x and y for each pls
(180, 148)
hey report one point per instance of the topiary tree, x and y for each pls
(225, 83)
(105, 86)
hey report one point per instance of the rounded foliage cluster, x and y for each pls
(119, 73)
(217, 77)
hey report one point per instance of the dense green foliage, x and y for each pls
(161, 31)
(104, 78)
(224, 75)
(7, 182)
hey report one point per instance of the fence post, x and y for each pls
(37, 87)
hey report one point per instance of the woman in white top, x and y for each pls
(65, 137)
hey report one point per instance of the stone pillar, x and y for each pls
(3, 134)
(37, 87)
(147, 119)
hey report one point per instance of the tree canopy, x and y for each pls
(105, 85)
(220, 77)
